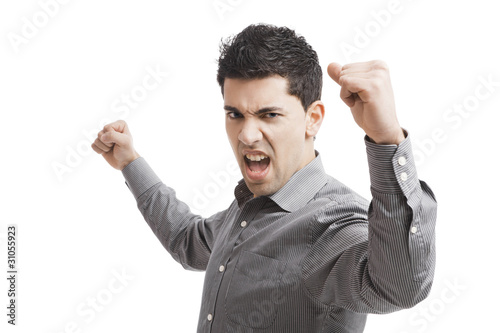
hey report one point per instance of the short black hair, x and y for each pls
(263, 50)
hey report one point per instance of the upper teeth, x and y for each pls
(255, 157)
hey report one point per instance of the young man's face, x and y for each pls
(267, 130)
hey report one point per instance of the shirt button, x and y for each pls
(243, 224)
(404, 176)
(222, 268)
(413, 230)
(402, 160)
(209, 317)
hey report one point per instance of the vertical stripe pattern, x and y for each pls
(313, 257)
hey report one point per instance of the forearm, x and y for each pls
(182, 233)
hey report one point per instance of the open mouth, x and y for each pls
(257, 165)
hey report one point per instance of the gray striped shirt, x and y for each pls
(313, 257)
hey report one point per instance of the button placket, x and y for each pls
(245, 215)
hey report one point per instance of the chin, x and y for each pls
(261, 189)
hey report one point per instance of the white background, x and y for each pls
(78, 229)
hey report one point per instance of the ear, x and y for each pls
(314, 117)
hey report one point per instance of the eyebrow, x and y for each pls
(260, 111)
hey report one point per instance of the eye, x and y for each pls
(233, 115)
(271, 115)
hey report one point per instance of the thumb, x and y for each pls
(334, 70)
(115, 137)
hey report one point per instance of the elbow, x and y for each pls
(417, 291)
(420, 292)
(406, 294)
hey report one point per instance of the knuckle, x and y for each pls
(377, 83)
(110, 126)
(379, 64)
(379, 77)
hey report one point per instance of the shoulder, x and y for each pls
(336, 193)
(339, 207)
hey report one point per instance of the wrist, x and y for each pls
(393, 138)
(134, 156)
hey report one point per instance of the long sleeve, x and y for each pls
(402, 217)
(376, 257)
(186, 236)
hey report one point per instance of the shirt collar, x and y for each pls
(297, 192)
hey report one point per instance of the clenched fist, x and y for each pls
(114, 143)
(366, 89)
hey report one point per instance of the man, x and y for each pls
(296, 251)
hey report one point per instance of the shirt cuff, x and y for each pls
(392, 167)
(139, 177)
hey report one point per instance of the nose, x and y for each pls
(250, 133)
